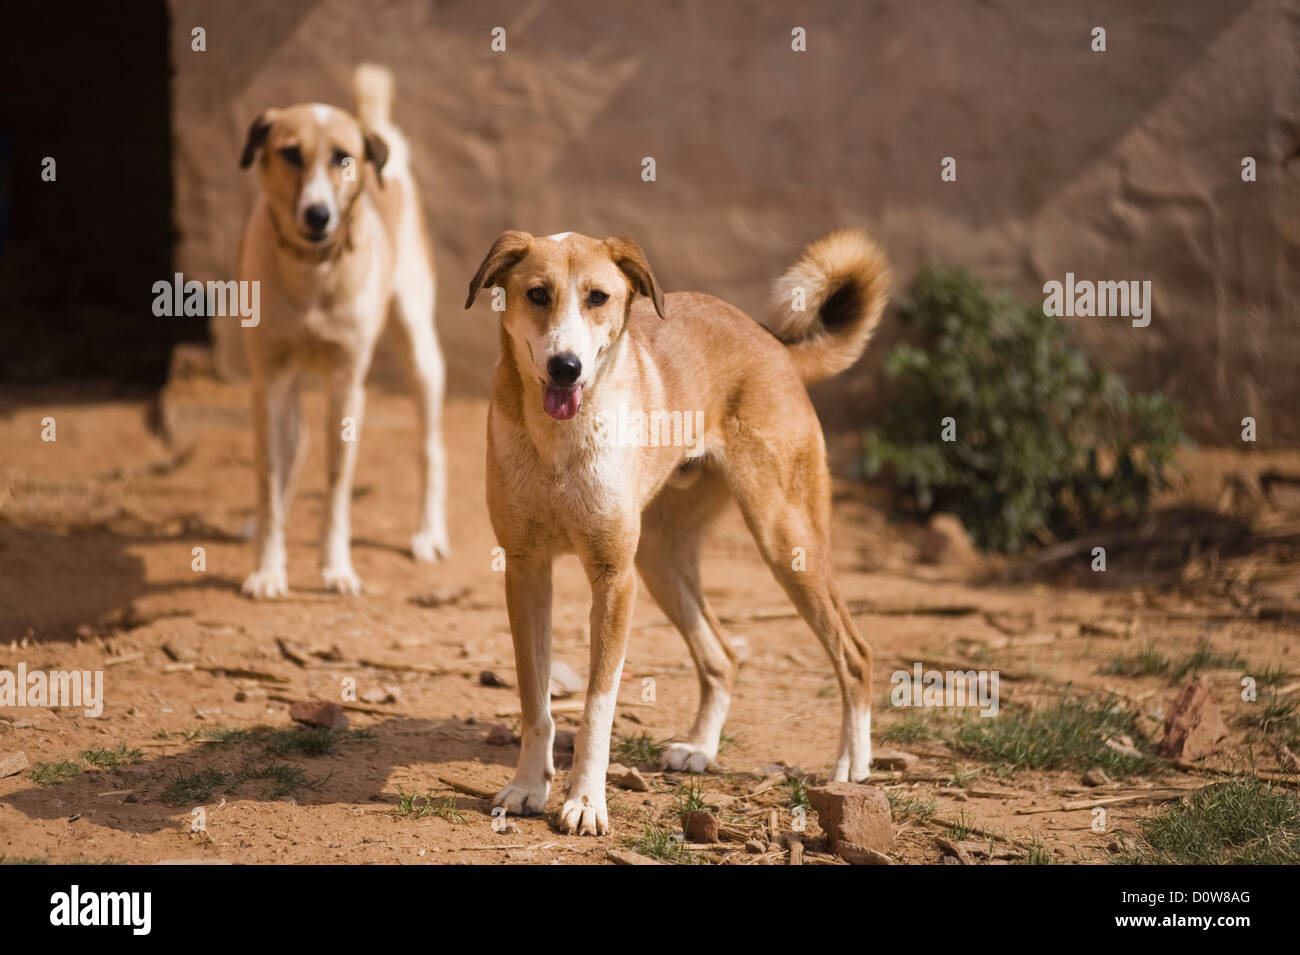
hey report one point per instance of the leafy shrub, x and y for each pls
(1044, 443)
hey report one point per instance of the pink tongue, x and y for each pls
(561, 403)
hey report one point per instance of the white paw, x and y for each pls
(263, 584)
(523, 799)
(342, 580)
(430, 546)
(854, 762)
(584, 816)
(849, 770)
(685, 758)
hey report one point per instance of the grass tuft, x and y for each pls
(113, 758)
(905, 806)
(1245, 821)
(640, 749)
(1146, 662)
(659, 842)
(52, 774)
(1072, 733)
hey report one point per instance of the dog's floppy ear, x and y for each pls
(508, 249)
(377, 153)
(256, 137)
(627, 255)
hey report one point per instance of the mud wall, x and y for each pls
(1117, 165)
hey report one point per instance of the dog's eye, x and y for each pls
(597, 297)
(538, 296)
(292, 155)
(340, 157)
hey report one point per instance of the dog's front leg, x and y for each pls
(613, 592)
(528, 602)
(274, 400)
(347, 401)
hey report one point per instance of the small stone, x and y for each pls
(700, 826)
(377, 695)
(181, 649)
(1095, 777)
(861, 855)
(12, 763)
(627, 778)
(563, 741)
(318, 713)
(1287, 759)
(442, 597)
(628, 857)
(500, 736)
(488, 678)
(853, 813)
(755, 846)
(1194, 725)
(945, 541)
(564, 680)
(192, 862)
(1124, 746)
(893, 759)
(131, 798)
(252, 694)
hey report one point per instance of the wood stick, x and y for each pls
(469, 789)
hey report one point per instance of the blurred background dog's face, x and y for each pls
(566, 302)
(311, 170)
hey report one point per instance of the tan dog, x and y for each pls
(335, 246)
(570, 470)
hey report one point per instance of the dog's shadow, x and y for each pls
(270, 764)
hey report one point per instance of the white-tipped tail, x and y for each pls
(842, 284)
(372, 87)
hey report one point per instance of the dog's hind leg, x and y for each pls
(786, 504)
(668, 557)
(413, 304)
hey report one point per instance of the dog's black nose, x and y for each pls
(564, 369)
(317, 217)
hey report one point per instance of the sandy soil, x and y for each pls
(97, 531)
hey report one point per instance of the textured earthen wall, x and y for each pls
(1116, 165)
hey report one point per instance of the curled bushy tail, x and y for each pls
(372, 87)
(844, 280)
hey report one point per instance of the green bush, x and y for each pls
(1045, 443)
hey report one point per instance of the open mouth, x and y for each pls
(562, 403)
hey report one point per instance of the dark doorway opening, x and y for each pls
(89, 86)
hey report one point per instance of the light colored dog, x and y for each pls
(581, 353)
(337, 241)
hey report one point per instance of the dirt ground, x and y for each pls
(97, 531)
